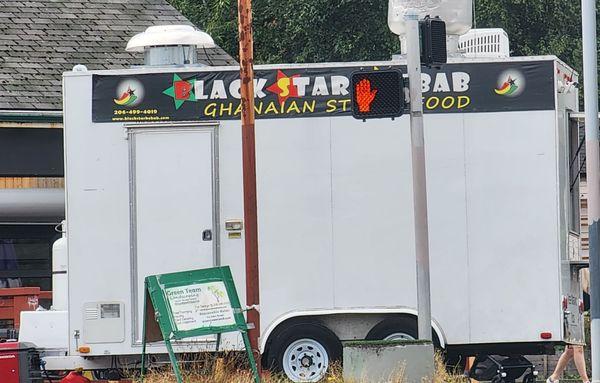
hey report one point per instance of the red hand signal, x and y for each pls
(364, 95)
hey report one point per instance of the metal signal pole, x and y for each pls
(592, 154)
(413, 58)
(249, 171)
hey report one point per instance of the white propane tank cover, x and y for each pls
(169, 35)
(458, 14)
(60, 278)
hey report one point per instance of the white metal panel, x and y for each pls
(373, 219)
(97, 211)
(232, 207)
(46, 329)
(511, 176)
(294, 215)
(372, 214)
(103, 322)
(447, 213)
(173, 203)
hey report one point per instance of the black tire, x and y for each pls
(394, 325)
(391, 326)
(305, 330)
(108, 374)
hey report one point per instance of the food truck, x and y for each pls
(153, 166)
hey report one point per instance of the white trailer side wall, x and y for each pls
(336, 221)
(335, 211)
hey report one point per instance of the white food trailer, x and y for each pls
(154, 185)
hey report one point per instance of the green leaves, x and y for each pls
(537, 27)
(299, 31)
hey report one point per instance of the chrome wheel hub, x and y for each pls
(305, 360)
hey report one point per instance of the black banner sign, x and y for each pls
(315, 92)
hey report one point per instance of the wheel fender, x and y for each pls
(319, 313)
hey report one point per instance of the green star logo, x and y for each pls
(181, 91)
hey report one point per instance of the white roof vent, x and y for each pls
(170, 44)
(487, 43)
(169, 35)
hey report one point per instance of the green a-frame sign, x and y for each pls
(190, 304)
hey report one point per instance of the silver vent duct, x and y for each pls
(32, 205)
(170, 55)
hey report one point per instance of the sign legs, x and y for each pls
(143, 370)
(173, 361)
(251, 357)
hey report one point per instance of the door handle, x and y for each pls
(207, 235)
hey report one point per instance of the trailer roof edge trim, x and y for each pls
(192, 68)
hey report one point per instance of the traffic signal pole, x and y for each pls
(249, 172)
(592, 154)
(413, 55)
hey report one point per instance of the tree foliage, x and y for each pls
(298, 31)
(536, 27)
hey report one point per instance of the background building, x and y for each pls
(39, 40)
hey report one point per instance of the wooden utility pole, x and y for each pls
(249, 170)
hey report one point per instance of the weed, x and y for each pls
(231, 368)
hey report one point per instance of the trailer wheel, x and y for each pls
(108, 374)
(400, 328)
(305, 351)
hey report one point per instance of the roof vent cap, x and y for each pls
(170, 44)
(169, 35)
(79, 68)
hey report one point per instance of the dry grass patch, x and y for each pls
(228, 369)
(443, 376)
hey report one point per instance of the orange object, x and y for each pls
(84, 349)
(75, 377)
(15, 300)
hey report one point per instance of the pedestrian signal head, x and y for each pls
(433, 42)
(377, 94)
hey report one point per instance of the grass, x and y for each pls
(230, 369)
(442, 375)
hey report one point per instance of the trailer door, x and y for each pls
(173, 204)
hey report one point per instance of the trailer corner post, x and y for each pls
(249, 172)
(592, 153)
(413, 54)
